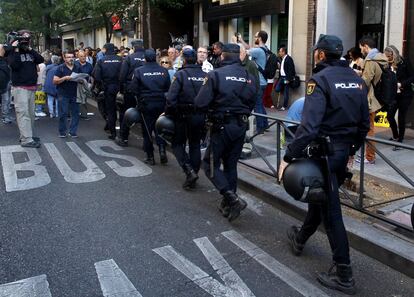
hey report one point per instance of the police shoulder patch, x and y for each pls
(310, 87)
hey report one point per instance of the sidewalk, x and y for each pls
(367, 235)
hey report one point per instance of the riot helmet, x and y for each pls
(131, 117)
(165, 128)
(303, 179)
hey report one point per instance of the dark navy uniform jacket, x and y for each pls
(229, 89)
(150, 81)
(129, 64)
(108, 68)
(336, 105)
(185, 86)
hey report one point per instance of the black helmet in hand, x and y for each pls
(131, 117)
(304, 181)
(165, 127)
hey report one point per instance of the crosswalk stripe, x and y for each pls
(287, 275)
(196, 274)
(113, 281)
(29, 287)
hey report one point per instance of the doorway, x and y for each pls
(371, 20)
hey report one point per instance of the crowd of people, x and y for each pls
(209, 93)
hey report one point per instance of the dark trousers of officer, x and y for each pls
(150, 114)
(110, 91)
(129, 101)
(330, 213)
(188, 128)
(225, 145)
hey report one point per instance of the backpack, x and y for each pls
(386, 89)
(271, 64)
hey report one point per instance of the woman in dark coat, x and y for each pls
(405, 78)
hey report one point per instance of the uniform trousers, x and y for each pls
(150, 114)
(225, 147)
(110, 91)
(188, 128)
(330, 213)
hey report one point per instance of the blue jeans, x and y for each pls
(52, 110)
(282, 86)
(261, 122)
(64, 104)
(5, 104)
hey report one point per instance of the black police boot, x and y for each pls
(121, 142)
(150, 159)
(340, 280)
(191, 177)
(292, 234)
(163, 154)
(224, 208)
(106, 128)
(112, 135)
(235, 205)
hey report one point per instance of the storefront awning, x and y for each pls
(241, 9)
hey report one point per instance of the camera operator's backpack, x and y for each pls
(271, 64)
(386, 89)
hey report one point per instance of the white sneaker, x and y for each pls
(40, 114)
(282, 108)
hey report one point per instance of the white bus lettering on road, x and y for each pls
(39, 178)
(137, 169)
(91, 174)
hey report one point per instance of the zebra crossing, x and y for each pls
(115, 283)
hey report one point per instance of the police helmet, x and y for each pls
(131, 117)
(165, 128)
(304, 181)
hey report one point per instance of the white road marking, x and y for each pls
(234, 286)
(287, 275)
(30, 287)
(137, 169)
(39, 178)
(223, 269)
(91, 174)
(113, 281)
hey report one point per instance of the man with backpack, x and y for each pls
(266, 63)
(374, 64)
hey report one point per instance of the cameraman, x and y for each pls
(4, 87)
(23, 61)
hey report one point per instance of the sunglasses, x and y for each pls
(165, 62)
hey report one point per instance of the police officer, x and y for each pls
(335, 107)
(149, 84)
(129, 65)
(228, 95)
(107, 75)
(188, 124)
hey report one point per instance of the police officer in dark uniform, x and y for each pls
(336, 106)
(228, 95)
(149, 84)
(129, 65)
(107, 75)
(189, 124)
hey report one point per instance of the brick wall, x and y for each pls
(311, 35)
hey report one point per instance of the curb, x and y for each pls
(365, 238)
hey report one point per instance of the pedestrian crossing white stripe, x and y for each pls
(113, 281)
(197, 275)
(287, 275)
(223, 269)
(30, 287)
(91, 174)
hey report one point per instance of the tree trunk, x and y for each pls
(148, 19)
(108, 27)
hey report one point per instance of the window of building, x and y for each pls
(243, 27)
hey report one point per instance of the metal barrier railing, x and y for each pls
(357, 204)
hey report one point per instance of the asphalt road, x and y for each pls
(105, 233)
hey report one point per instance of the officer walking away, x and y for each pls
(23, 62)
(189, 124)
(228, 95)
(149, 84)
(107, 75)
(335, 107)
(129, 65)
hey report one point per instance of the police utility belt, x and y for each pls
(323, 147)
(220, 119)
